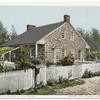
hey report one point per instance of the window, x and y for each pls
(32, 52)
(71, 37)
(73, 53)
(55, 55)
(63, 35)
(64, 52)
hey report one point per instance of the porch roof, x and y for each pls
(30, 38)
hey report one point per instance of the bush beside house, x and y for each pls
(69, 60)
(89, 74)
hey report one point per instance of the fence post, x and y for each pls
(45, 74)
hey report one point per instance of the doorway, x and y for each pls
(55, 56)
(79, 54)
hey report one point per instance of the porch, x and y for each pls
(36, 50)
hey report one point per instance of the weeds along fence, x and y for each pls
(95, 67)
(18, 80)
(68, 72)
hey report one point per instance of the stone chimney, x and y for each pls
(67, 18)
(30, 27)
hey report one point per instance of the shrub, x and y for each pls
(48, 63)
(61, 79)
(8, 92)
(5, 68)
(87, 74)
(58, 63)
(22, 59)
(35, 61)
(17, 92)
(97, 73)
(41, 83)
(1, 68)
(5, 49)
(21, 91)
(51, 82)
(69, 60)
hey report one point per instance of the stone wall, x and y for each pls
(71, 42)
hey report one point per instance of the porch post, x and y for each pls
(36, 50)
(2, 56)
(9, 55)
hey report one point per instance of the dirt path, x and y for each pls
(91, 87)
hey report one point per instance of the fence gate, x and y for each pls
(76, 71)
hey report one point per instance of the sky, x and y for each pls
(85, 17)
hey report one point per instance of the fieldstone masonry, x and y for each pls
(72, 42)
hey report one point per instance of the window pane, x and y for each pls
(62, 35)
(32, 52)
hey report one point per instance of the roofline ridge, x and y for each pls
(50, 24)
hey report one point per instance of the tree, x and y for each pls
(91, 37)
(95, 34)
(3, 33)
(95, 38)
(81, 31)
(13, 33)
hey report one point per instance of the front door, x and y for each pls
(55, 57)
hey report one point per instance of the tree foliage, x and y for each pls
(91, 37)
(13, 33)
(3, 33)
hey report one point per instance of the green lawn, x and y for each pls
(50, 90)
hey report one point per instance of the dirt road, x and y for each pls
(91, 87)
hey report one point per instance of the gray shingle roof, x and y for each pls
(30, 38)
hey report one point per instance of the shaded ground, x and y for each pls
(91, 87)
(50, 89)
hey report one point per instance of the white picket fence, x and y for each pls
(67, 72)
(18, 80)
(95, 67)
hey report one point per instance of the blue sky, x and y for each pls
(20, 16)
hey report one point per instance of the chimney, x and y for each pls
(30, 27)
(67, 18)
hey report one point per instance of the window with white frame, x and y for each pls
(71, 37)
(73, 53)
(55, 56)
(32, 52)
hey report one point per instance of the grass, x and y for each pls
(51, 90)
(48, 89)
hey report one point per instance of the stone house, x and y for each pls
(51, 42)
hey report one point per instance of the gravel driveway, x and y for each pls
(91, 87)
